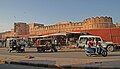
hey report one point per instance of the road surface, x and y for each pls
(63, 57)
(11, 66)
(77, 54)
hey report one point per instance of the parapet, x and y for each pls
(97, 19)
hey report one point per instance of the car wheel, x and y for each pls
(110, 48)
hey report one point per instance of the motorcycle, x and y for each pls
(21, 48)
(100, 51)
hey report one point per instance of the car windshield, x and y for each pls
(83, 39)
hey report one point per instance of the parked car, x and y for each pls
(109, 46)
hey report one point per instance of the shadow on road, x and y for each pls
(48, 51)
(71, 51)
(31, 52)
(39, 52)
(114, 55)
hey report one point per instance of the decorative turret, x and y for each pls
(98, 22)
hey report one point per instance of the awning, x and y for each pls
(34, 36)
(64, 33)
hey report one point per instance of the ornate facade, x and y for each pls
(90, 23)
(98, 22)
(40, 29)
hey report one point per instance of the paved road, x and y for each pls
(10, 66)
(61, 54)
(74, 57)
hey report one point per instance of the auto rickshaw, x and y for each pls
(14, 44)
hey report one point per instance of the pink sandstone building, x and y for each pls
(94, 24)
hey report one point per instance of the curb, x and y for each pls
(32, 64)
(58, 67)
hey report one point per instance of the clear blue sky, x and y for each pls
(50, 12)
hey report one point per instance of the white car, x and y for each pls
(82, 41)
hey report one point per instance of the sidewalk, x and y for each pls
(62, 63)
